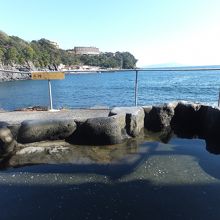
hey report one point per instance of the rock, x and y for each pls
(9, 75)
(14, 128)
(39, 130)
(52, 67)
(210, 128)
(3, 124)
(209, 125)
(100, 131)
(185, 122)
(7, 142)
(158, 118)
(48, 150)
(147, 110)
(212, 146)
(33, 108)
(163, 136)
(134, 119)
(61, 152)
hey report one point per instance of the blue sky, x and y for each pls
(155, 31)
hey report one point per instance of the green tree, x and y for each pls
(129, 61)
(12, 55)
(2, 55)
(3, 38)
(28, 53)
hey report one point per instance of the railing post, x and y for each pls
(136, 88)
(50, 95)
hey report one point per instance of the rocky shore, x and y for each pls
(11, 75)
(20, 72)
(107, 127)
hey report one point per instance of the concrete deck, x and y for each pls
(16, 117)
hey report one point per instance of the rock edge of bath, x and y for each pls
(185, 119)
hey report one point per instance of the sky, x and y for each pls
(181, 32)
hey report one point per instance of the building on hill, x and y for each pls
(55, 44)
(85, 50)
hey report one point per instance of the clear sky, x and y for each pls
(155, 31)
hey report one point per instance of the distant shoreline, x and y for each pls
(13, 75)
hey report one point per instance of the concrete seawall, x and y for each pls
(10, 75)
(108, 127)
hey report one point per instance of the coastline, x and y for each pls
(13, 75)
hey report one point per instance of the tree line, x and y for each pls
(42, 53)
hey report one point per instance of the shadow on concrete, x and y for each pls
(128, 200)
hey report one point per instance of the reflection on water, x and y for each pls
(114, 161)
(142, 179)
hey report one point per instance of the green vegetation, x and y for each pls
(42, 53)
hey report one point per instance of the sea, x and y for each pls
(109, 89)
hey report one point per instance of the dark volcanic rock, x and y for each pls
(212, 145)
(210, 122)
(39, 130)
(100, 131)
(186, 120)
(209, 127)
(158, 118)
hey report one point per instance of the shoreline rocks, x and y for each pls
(10, 75)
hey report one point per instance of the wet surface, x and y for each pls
(144, 179)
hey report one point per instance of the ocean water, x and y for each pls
(113, 89)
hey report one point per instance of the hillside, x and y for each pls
(39, 54)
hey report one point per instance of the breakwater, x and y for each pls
(11, 75)
(120, 125)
